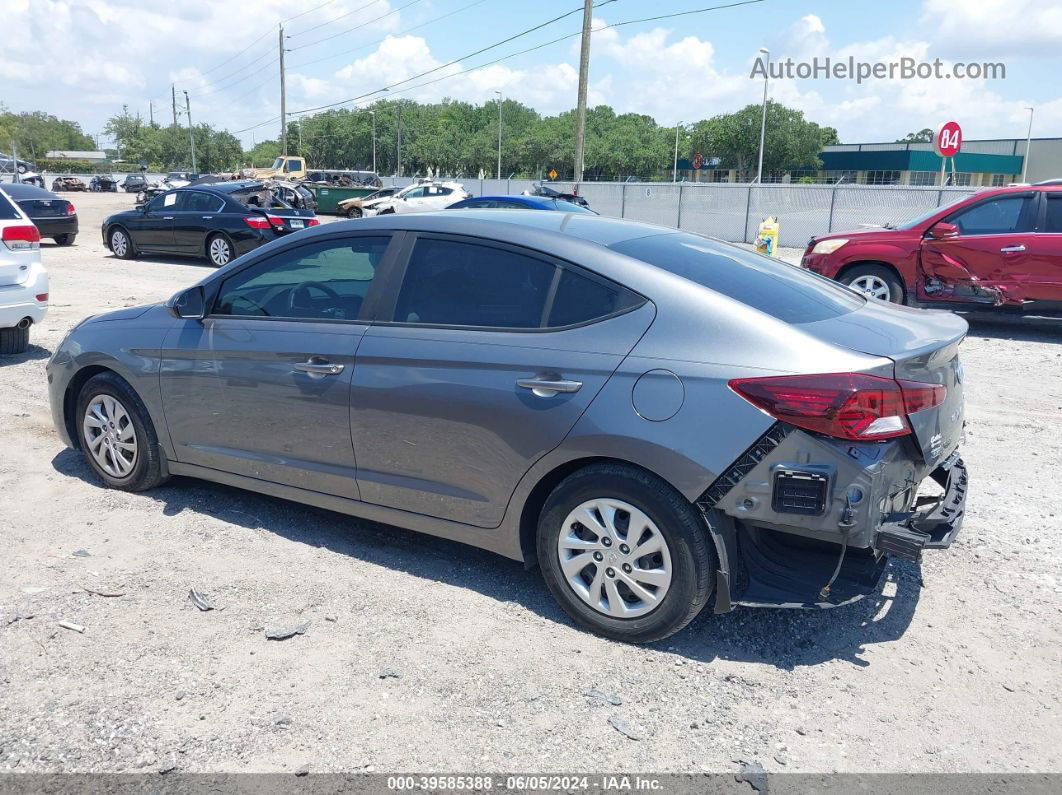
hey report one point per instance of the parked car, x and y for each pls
(653, 417)
(53, 215)
(178, 179)
(23, 279)
(519, 203)
(103, 183)
(542, 189)
(352, 208)
(9, 165)
(414, 199)
(219, 222)
(68, 183)
(134, 183)
(996, 248)
(294, 194)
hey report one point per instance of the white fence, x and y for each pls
(734, 211)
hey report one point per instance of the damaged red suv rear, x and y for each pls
(998, 248)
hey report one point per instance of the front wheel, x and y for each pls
(121, 245)
(624, 554)
(219, 250)
(875, 281)
(117, 435)
(353, 212)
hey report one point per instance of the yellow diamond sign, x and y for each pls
(553, 173)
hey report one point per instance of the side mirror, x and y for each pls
(942, 230)
(191, 304)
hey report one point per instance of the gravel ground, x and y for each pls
(423, 654)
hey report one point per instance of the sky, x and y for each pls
(84, 59)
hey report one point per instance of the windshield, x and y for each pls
(784, 291)
(278, 164)
(921, 219)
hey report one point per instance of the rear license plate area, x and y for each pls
(296, 224)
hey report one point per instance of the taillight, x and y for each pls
(843, 405)
(256, 222)
(21, 238)
(70, 209)
(278, 223)
(42, 297)
(312, 222)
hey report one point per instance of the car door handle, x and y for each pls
(1011, 249)
(167, 218)
(318, 367)
(548, 387)
(207, 217)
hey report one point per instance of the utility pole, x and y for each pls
(283, 96)
(499, 131)
(674, 170)
(584, 69)
(373, 114)
(151, 112)
(173, 93)
(400, 137)
(14, 156)
(763, 118)
(1028, 143)
(300, 135)
(191, 130)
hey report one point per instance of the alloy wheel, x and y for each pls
(614, 558)
(110, 437)
(119, 243)
(220, 252)
(872, 287)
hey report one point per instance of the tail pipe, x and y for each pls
(24, 323)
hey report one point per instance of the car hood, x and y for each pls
(127, 313)
(867, 234)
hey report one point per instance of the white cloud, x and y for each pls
(991, 28)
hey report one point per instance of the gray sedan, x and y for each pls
(659, 420)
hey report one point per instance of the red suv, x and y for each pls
(996, 248)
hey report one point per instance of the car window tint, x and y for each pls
(461, 284)
(1054, 213)
(580, 299)
(157, 204)
(7, 209)
(784, 291)
(1001, 215)
(326, 280)
(198, 202)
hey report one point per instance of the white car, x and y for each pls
(23, 280)
(418, 199)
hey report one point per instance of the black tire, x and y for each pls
(216, 244)
(353, 212)
(128, 251)
(879, 274)
(65, 240)
(13, 340)
(682, 527)
(147, 469)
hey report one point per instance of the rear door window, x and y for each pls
(783, 291)
(7, 208)
(999, 216)
(1053, 220)
(199, 202)
(581, 298)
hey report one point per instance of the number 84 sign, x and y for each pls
(948, 139)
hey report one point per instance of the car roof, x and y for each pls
(543, 227)
(227, 187)
(20, 190)
(543, 201)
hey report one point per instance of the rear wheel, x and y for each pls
(117, 435)
(219, 250)
(625, 554)
(14, 340)
(875, 281)
(121, 245)
(65, 240)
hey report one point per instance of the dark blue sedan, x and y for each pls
(519, 203)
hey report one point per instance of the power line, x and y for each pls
(336, 19)
(457, 60)
(357, 27)
(237, 55)
(390, 35)
(309, 11)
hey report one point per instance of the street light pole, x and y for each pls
(674, 171)
(499, 131)
(1028, 143)
(763, 119)
(400, 138)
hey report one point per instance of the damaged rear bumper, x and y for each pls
(800, 521)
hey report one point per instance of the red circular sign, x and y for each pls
(948, 140)
(698, 160)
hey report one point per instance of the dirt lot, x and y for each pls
(426, 655)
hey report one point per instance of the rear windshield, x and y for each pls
(7, 209)
(783, 291)
(569, 207)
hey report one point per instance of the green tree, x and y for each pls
(925, 135)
